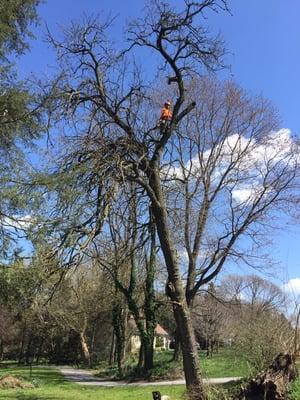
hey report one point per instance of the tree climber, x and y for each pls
(166, 115)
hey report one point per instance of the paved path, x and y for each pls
(83, 377)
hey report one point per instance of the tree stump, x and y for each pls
(271, 384)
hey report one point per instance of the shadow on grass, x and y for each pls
(40, 377)
(8, 364)
(25, 396)
(48, 375)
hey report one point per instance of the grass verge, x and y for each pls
(224, 364)
(50, 385)
(294, 392)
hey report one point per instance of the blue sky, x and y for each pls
(263, 42)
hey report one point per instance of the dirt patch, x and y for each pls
(12, 382)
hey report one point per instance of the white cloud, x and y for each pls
(242, 195)
(16, 222)
(253, 160)
(292, 286)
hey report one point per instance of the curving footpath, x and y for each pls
(83, 377)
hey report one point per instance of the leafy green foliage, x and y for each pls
(20, 119)
(15, 17)
(19, 285)
(16, 103)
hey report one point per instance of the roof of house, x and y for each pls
(159, 330)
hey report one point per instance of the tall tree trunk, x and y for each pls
(146, 332)
(112, 348)
(23, 339)
(92, 345)
(119, 324)
(177, 349)
(28, 353)
(175, 291)
(145, 322)
(141, 354)
(208, 346)
(189, 350)
(39, 350)
(1, 349)
(148, 353)
(85, 349)
(149, 304)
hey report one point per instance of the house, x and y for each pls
(162, 339)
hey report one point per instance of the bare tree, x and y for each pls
(233, 174)
(202, 159)
(77, 303)
(209, 310)
(98, 97)
(257, 323)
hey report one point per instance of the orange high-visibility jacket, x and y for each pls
(166, 114)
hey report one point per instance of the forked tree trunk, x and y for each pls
(146, 352)
(146, 324)
(175, 291)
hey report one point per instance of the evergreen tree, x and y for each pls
(19, 115)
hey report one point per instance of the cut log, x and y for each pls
(271, 384)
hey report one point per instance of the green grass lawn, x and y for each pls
(52, 386)
(295, 390)
(224, 364)
(295, 387)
